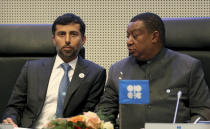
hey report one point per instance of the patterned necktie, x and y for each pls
(62, 90)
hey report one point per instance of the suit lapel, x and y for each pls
(44, 75)
(77, 79)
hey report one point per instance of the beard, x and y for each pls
(69, 53)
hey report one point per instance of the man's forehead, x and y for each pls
(68, 26)
(135, 26)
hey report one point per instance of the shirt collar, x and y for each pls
(158, 56)
(59, 61)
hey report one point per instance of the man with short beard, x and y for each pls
(61, 86)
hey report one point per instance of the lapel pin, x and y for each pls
(81, 75)
(120, 76)
(168, 91)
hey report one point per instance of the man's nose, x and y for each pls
(67, 41)
(129, 41)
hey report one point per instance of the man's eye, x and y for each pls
(134, 36)
(61, 33)
(73, 33)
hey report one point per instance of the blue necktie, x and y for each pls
(62, 90)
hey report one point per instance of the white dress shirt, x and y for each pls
(50, 105)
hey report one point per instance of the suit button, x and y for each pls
(149, 107)
(34, 119)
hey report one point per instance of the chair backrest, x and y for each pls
(18, 43)
(190, 36)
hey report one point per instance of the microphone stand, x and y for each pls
(179, 94)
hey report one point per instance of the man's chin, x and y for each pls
(133, 54)
(130, 53)
(140, 58)
(70, 56)
(67, 55)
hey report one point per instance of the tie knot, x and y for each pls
(66, 67)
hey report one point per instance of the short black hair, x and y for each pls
(152, 22)
(66, 19)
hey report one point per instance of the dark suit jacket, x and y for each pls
(28, 96)
(168, 71)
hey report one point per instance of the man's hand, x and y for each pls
(9, 121)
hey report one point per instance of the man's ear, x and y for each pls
(53, 40)
(83, 40)
(155, 36)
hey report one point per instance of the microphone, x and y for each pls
(179, 94)
(196, 121)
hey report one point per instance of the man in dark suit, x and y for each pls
(168, 73)
(39, 93)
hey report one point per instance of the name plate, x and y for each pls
(176, 126)
(133, 91)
